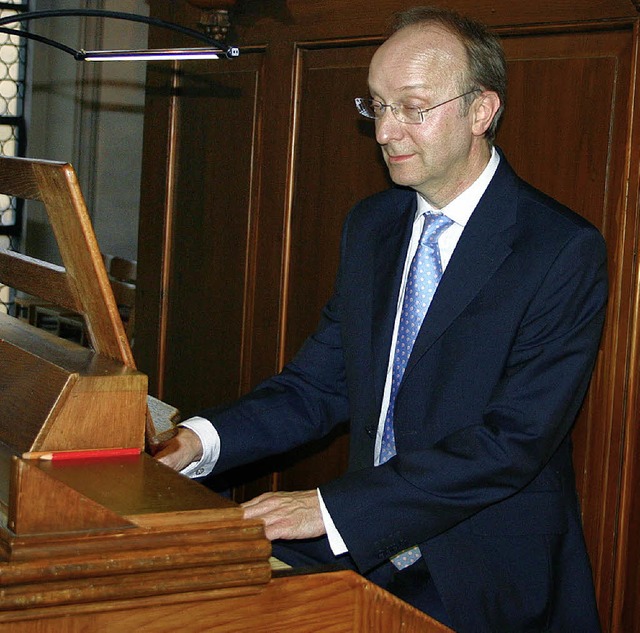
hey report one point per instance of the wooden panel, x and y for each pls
(57, 395)
(339, 602)
(72, 511)
(332, 134)
(626, 607)
(154, 225)
(70, 540)
(571, 91)
(213, 189)
(298, 20)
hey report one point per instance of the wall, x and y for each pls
(92, 116)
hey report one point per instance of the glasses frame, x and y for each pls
(360, 101)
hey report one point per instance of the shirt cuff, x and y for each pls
(337, 545)
(210, 441)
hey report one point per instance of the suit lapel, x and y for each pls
(388, 263)
(485, 243)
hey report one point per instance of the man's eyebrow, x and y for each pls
(409, 88)
(415, 87)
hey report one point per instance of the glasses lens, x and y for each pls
(408, 114)
(373, 109)
(367, 107)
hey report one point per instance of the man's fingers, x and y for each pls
(287, 515)
(180, 450)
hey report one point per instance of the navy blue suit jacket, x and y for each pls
(483, 478)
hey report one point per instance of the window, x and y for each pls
(13, 53)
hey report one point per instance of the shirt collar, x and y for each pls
(460, 209)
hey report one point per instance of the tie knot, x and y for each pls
(434, 225)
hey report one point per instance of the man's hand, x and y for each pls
(180, 450)
(287, 515)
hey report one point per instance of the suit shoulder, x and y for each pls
(535, 209)
(548, 211)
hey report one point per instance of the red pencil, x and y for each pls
(91, 453)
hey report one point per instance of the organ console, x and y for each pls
(121, 542)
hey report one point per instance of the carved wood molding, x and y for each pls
(213, 5)
(214, 16)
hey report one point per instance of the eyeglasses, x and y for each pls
(374, 109)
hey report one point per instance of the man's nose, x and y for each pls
(388, 128)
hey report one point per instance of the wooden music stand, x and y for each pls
(81, 285)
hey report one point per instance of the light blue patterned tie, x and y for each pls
(423, 278)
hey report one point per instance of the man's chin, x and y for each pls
(402, 179)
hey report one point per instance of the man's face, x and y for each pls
(423, 66)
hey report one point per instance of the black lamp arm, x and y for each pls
(118, 15)
(44, 40)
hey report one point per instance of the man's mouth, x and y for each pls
(398, 158)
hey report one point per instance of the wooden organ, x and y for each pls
(124, 543)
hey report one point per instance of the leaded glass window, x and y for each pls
(13, 54)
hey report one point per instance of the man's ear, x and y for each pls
(484, 109)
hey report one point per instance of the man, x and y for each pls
(460, 496)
